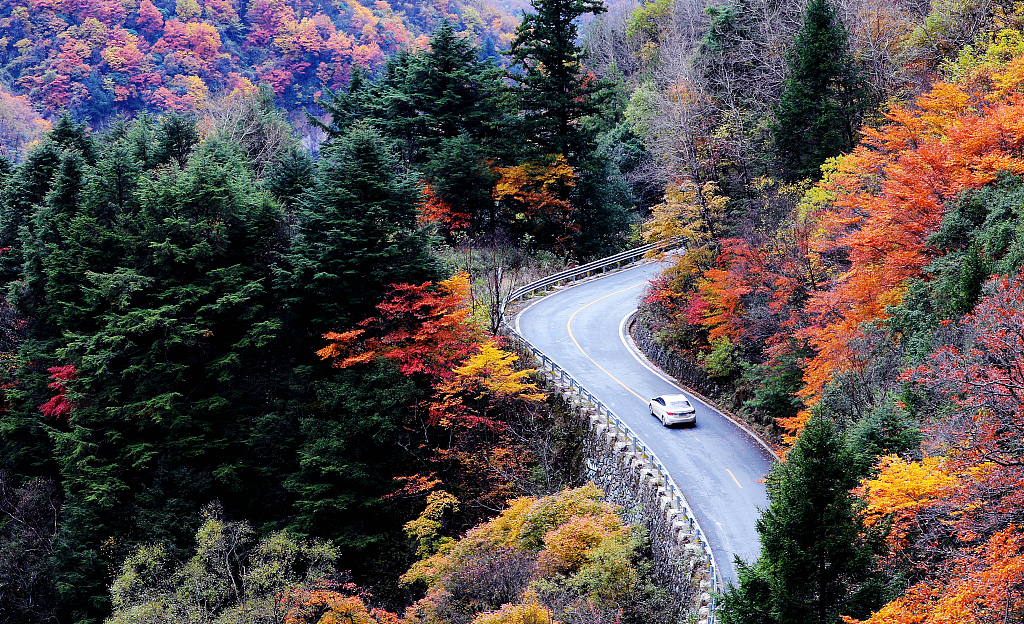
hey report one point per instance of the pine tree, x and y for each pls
(823, 97)
(290, 176)
(813, 566)
(28, 185)
(555, 91)
(356, 234)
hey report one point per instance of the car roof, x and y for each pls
(674, 397)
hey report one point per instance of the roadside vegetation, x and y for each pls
(254, 258)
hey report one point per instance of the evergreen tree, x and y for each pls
(29, 184)
(356, 234)
(345, 108)
(458, 174)
(157, 323)
(440, 93)
(820, 107)
(813, 566)
(564, 108)
(290, 176)
(176, 137)
(554, 90)
(348, 460)
(599, 199)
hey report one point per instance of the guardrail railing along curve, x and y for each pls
(556, 373)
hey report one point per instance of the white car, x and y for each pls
(673, 409)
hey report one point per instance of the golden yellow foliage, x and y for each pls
(492, 371)
(529, 613)
(426, 528)
(689, 210)
(905, 486)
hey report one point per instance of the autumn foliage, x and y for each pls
(60, 405)
(871, 290)
(101, 57)
(565, 553)
(955, 515)
(470, 385)
(851, 243)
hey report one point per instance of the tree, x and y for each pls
(261, 130)
(813, 568)
(29, 517)
(954, 516)
(565, 557)
(356, 234)
(818, 113)
(154, 324)
(445, 107)
(554, 90)
(176, 137)
(439, 93)
(232, 577)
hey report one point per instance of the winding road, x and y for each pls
(717, 464)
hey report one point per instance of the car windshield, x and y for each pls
(678, 404)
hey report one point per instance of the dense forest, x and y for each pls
(255, 256)
(98, 59)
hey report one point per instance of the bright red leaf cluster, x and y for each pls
(60, 406)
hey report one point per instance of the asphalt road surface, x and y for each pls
(717, 464)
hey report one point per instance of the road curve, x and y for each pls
(719, 466)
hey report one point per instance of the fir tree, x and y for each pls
(356, 234)
(820, 106)
(555, 92)
(813, 566)
(176, 137)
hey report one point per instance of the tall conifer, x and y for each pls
(813, 566)
(554, 90)
(357, 233)
(820, 106)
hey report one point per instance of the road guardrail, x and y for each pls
(556, 373)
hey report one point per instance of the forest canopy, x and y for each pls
(255, 258)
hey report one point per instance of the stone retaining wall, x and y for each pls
(630, 479)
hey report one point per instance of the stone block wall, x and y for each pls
(630, 478)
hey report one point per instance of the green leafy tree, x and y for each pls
(813, 566)
(229, 577)
(817, 115)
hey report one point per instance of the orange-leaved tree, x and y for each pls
(956, 524)
(536, 197)
(469, 387)
(888, 196)
(424, 329)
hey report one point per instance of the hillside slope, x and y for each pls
(100, 58)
